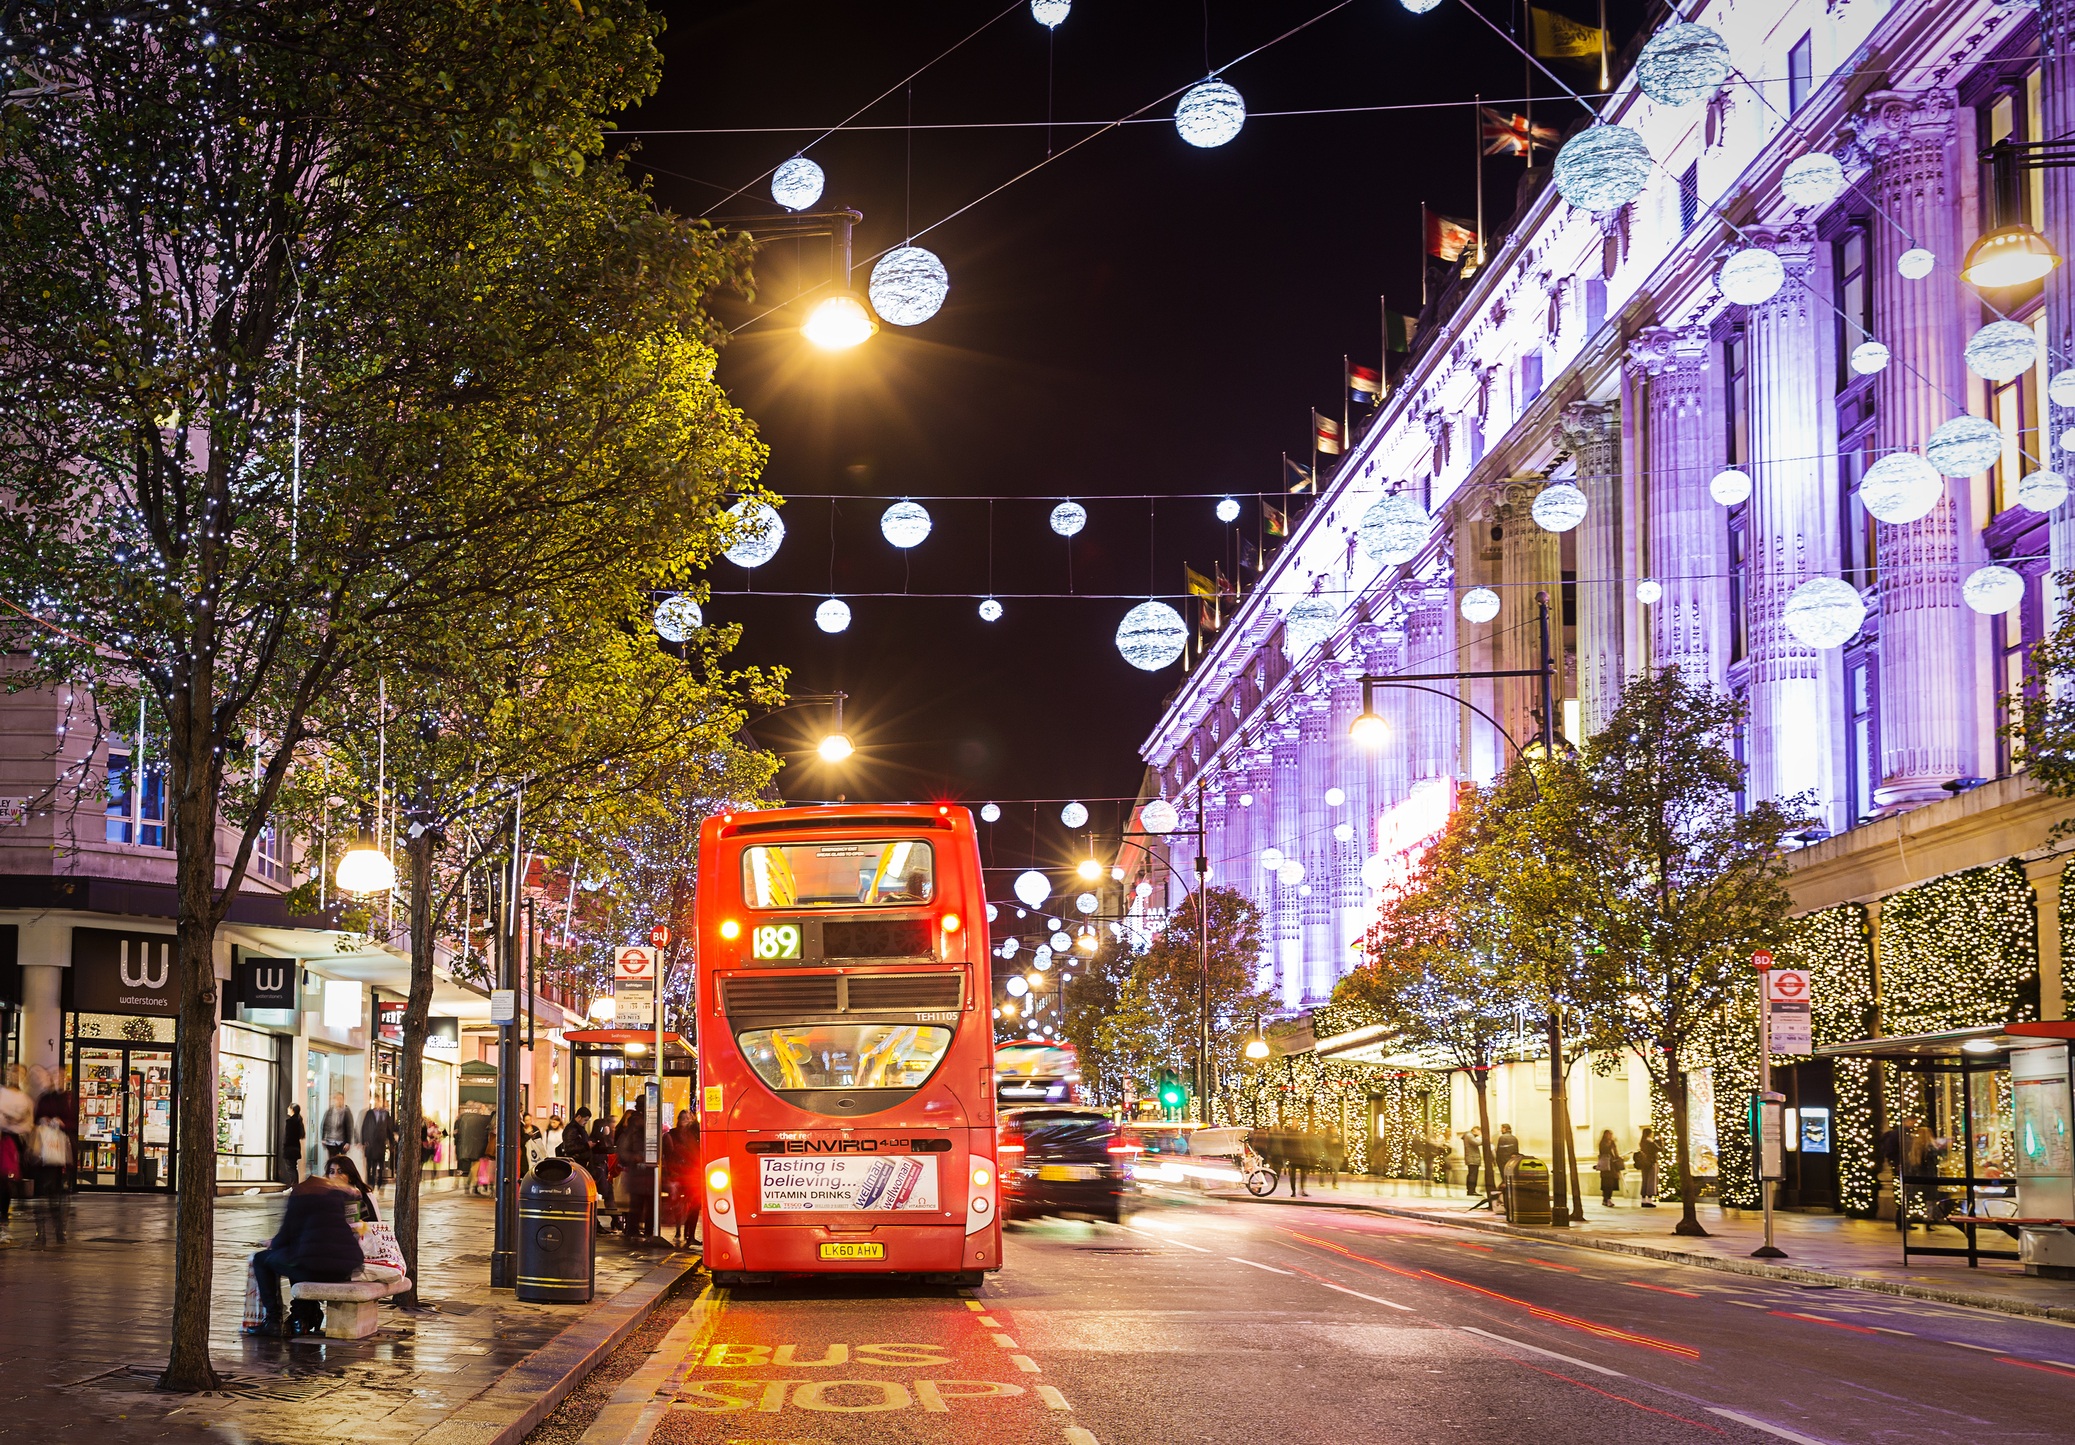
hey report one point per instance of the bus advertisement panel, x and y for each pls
(846, 1082)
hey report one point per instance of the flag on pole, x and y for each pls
(1325, 432)
(1207, 615)
(1558, 37)
(1511, 135)
(1274, 521)
(1364, 387)
(1448, 237)
(1296, 476)
(1196, 583)
(1398, 331)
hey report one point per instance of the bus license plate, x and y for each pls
(853, 1251)
(1059, 1173)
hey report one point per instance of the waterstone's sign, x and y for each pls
(125, 973)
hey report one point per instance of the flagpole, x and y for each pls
(1422, 257)
(1477, 150)
(1383, 357)
(1605, 79)
(1346, 404)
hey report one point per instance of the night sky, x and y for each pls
(1138, 317)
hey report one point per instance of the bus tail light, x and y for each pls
(951, 922)
(717, 1178)
(730, 928)
(720, 1198)
(979, 1212)
(982, 1176)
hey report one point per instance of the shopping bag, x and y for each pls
(623, 1189)
(486, 1173)
(51, 1145)
(255, 1316)
(378, 1246)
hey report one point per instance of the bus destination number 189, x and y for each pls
(775, 940)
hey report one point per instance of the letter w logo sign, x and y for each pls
(144, 977)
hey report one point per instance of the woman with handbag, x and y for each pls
(1646, 1160)
(1609, 1167)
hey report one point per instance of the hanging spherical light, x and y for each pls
(1016, 986)
(908, 285)
(1964, 446)
(1649, 593)
(1393, 530)
(1228, 510)
(1074, 815)
(1915, 263)
(1334, 797)
(1087, 902)
(1303, 890)
(1343, 832)
(1032, 887)
(1246, 800)
(1814, 180)
(1993, 590)
(990, 812)
(2002, 351)
(1869, 357)
(1068, 518)
(757, 533)
(1824, 612)
(678, 617)
(1290, 874)
(364, 868)
(1682, 63)
(1144, 889)
(1210, 113)
(2061, 390)
(992, 913)
(1751, 277)
(833, 615)
(990, 610)
(2042, 491)
(1730, 486)
(1308, 623)
(796, 185)
(1061, 943)
(904, 524)
(1602, 169)
(1559, 507)
(1376, 870)
(1419, 7)
(1271, 859)
(1152, 635)
(1050, 13)
(1159, 816)
(1480, 604)
(1900, 487)
(2068, 440)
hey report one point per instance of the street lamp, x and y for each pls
(1257, 1048)
(842, 320)
(836, 745)
(2011, 253)
(365, 868)
(1090, 869)
(602, 1009)
(839, 323)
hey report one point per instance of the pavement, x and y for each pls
(83, 1332)
(1820, 1248)
(1208, 1319)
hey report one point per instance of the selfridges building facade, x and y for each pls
(1609, 351)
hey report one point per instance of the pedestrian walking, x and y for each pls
(1473, 1157)
(1300, 1148)
(17, 1124)
(1504, 1150)
(471, 1141)
(336, 1128)
(52, 1149)
(681, 1177)
(1646, 1160)
(314, 1242)
(293, 1133)
(428, 1143)
(576, 1139)
(377, 1142)
(1609, 1167)
(1333, 1156)
(360, 1209)
(632, 1146)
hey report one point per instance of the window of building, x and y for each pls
(1736, 396)
(2012, 113)
(1689, 197)
(1858, 527)
(1739, 586)
(136, 814)
(1854, 300)
(270, 855)
(1801, 71)
(2014, 406)
(1862, 731)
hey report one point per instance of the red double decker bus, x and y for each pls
(846, 1044)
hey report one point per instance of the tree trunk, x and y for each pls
(1559, 1127)
(1481, 1078)
(1689, 1221)
(1570, 1152)
(188, 1366)
(410, 1109)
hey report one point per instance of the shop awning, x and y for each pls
(1978, 1042)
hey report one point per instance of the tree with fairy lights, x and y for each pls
(1155, 1021)
(1438, 966)
(322, 330)
(1665, 886)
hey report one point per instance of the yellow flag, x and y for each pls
(1558, 37)
(1198, 584)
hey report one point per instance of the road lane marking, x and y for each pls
(1883, 1329)
(1590, 1327)
(1662, 1290)
(1834, 1324)
(1521, 1345)
(1024, 1363)
(1005, 1342)
(1757, 1424)
(1465, 1244)
(1747, 1304)
(1965, 1346)
(990, 1322)
(1075, 1435)
(1371, 1298)
(2035, 1365)
(974, 1305)
(1269, 1267)
(1604, 1394)
(1547, 1264)
(1163, 1238)
(1051, 1397)
(2062, 1363)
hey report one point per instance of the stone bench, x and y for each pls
(352, 1310)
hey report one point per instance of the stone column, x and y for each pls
(1285, 919)
(1592, 434)
(1248, 838)
(1791, 525)
(1530, 561)
(1313, 844)
(1927, 703)
(2057, 107)
(1215, 810)
(1689, 540)
(1356, 773)
(1431, 724)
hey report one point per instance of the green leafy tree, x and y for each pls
(1155, 1023)
(321, 332)
(1667, 885)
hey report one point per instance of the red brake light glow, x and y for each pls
(951, 923)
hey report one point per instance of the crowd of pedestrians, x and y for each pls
(39, 1132)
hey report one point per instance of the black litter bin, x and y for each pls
(1527, 1191)
(558, 1234)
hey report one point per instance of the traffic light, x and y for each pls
(1170, 1091)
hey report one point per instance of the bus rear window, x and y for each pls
(844, 1055)
(831, 874)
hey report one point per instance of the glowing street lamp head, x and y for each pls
(1257, 1048)
(835, 747)
(365, 869)
(601, 1008)
(1369, 730)
(2008, 256)
(1090, 869)
(839, 323)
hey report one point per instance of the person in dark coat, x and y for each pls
(336, 1128)
(377, 1138)
(576, 1140)
(681, 1174)
(1646, 1160)
(471, 1142)
(632, 1145)
(292, 1136)
(1504, 1150)
(314, 1243)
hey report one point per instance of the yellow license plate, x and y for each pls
(1057, 1173)
(853, 1251)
